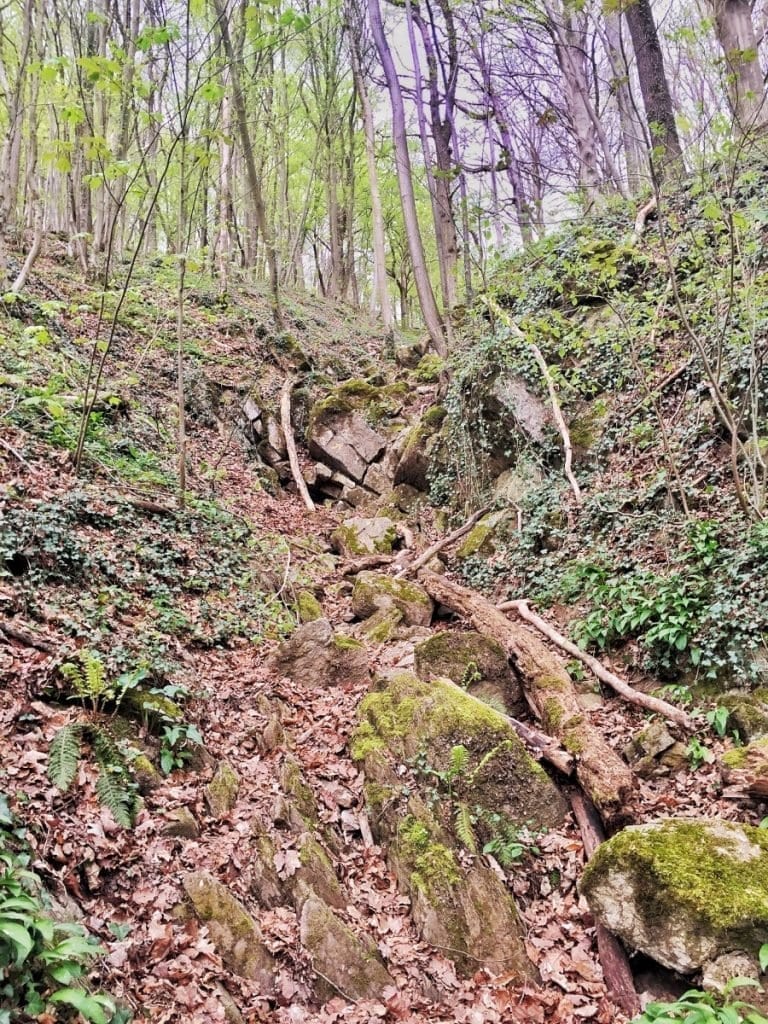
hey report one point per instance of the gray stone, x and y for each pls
(683, 891)
(718, 974)
(529, 412)
(316, 656)
(346, 964)
(221, 791)
(361, 536)
(181, 824)
(375, 591)
(233, 931)
(514, 485)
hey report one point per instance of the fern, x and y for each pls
(115, 786)
(88, 679)
(64, 755)
(495, 702)
(458, 762)
(465, 827)
(486, 760)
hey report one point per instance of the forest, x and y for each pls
(383, 511)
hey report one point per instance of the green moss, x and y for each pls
(735, 758)
(346, 643)
(429, 369)
(365, 742)
(380, 627)
(433, 865)
(152, 706)
(478, 541)
(308, 608)
(705, 871)
(377, 796)
(552, 713)
(434, 416)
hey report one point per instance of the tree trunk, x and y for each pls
(631, 128)
(746, 89)
(427, 301)
(660, 117)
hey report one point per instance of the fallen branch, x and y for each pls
(22, 636)
(438, 546)
(655, 392)
(629, 693)
(550, 693)
(613, 958)
(642, 219)
(17, 455)
(364, 563)
(290, 444)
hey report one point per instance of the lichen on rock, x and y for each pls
(362, 536)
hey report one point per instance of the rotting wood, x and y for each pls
(542, 746)
(548, 688)
(444, 542)
(290, 444)
(364, 563)
(27, 638)
(147, 505)
(613, 958)
(629, 693)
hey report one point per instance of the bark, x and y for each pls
(444, 542)
(654, 87)
(746, 89)
(427, 301)
(613, 958)
(290, 444)
(549, 691)
(10, 158)
(631, 128)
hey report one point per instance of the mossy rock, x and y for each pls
(429, 368)
(181, 824)
(265, 882)
(315, 876)
(374, 591)
(316, 656)
(233, 931)
(682, 891)
(374, 403)
(747, 768)
(482, 538)
(406, 716)
(748, 711)
(474, 662)
(152, 707)
(416, 447)
(362, 536)
(221, 792)
(308, 608)
(345, 963)
(297, 791)
(382, 625)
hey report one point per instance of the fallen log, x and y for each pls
(629, 693)
(438, 546)
(613, 958)
(364, 563)
(548, 688)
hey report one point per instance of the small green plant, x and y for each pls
(698, 753)
(762, 956)
(115, 785)
(697, 1007)
(43, 961)
(175, 739)
(509, 842)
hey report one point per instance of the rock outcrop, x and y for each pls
(361, 536)
(682, 891)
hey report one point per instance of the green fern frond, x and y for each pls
(459, 761)
(88, 678)
(485, 761)
(115, 786)
(64, 754)
(464, 827)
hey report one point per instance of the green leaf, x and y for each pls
(762, 956)
(64, 755)
(91, 1007)
(19, 937)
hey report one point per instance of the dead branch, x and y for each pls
(550, 693)
(290, 443)
(357, 565)
(17, 455)
(29, 639)
(629, 693)
(661, 386)
(641, 219)
(613, 958)
(444, 542)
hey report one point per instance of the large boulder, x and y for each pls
(405, 718)
(747, 711)
(375, 591)
(682, 891)
(474, 662)
(747, 768)
(344, 962)
(361, 536)
(233, 931)
(316, 656)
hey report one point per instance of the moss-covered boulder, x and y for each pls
(381, 626)
(747, 768)
(361, 536)
(463, 909)
(482, 538)
(315, 875)
(405, 718)
(473, 661)
(221, 792)
(748, 711)
(316, 656)
(416, 448)
(374, 591)
(297, 791)
(264, 881)
(181, 824)
(346, 964)
(308, 608)
(233, 931)
(682, 891)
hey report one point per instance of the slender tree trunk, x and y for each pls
(380, 288)
(10, 158)
(427, 301)
(654, 87)
(746, 88)
(631, 128)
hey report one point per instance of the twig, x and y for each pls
(629, 693)
(290, 443)
(17, 455)
(444, 542)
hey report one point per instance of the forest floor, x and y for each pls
(126, 885)
(129, 881)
